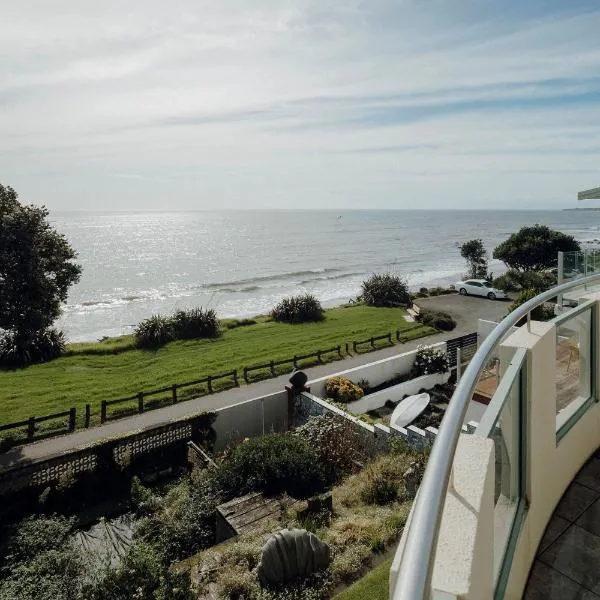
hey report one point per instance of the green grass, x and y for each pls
(373, 586)
(114, 368)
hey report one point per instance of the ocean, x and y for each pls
(242, 262)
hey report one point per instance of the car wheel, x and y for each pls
(492, 296)
(463, 292)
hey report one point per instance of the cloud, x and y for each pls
(265, 104)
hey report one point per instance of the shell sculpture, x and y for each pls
(291, 554)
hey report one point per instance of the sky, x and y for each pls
(190, 104)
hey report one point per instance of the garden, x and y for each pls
(339, 513)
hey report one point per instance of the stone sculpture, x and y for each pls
(291, 554)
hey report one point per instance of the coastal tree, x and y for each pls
(36, 270)
(475, 254)
(535, 248)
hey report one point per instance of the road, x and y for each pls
(465, 310)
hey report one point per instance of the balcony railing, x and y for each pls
(486, 498)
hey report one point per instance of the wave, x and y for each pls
(264, 278)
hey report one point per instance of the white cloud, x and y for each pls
(298, 103)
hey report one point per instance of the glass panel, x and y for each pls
(573, 365)
(506, 434)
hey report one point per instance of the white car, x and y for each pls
(479, 287)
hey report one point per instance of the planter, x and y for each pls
(396, 392)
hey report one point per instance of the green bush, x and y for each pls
(153, 332)
(273, 464)
(544, 312)
(386, 290)
(34, 347)
(298, 309)
(343, 390)
(195, 323)
(438, 319)
(513, 280)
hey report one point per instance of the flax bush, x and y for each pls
(298, 309)
(386, 290)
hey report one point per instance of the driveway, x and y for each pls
(467, 310)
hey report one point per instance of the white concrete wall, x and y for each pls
(376, 372)
(465, 540)
(396, 392)
(484, 328)
(251, 418)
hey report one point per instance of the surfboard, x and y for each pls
(409, 409)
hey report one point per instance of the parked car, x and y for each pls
(479, 287)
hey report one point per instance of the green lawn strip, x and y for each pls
(374, 585)
(86, 375)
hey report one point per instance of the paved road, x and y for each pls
(466, 312)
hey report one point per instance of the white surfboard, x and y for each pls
(409, 409)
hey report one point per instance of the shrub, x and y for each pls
(335, 441)
(153, 332)
(238, 583)
(543, 312)
(386, 290)
(298, 309)
(430, 360)
(513, 280)
(273, 464)
(439, 320)
(195, 323)
(379, 490)
(39, 346)
(343, 390)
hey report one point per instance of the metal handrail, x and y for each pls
(418, 552)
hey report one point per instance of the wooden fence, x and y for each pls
(31, 422)
(293, 361)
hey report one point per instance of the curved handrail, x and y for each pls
(418, 553)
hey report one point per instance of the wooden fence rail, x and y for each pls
(372, 340)
(31, 422)
(294, 361)
(172, 389)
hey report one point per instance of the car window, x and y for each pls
(475, 283)
(487, 284)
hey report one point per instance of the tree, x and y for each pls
(475, 254)
(535, 248)
(36, 268)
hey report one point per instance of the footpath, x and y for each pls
(21, 455)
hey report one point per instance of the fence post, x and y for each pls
(235, 378)
(72, 418)
(339, 349)
(372, 343)
(354, 346)
(398, 335)
(458, 364)
(31, 428)
(209, 384)
(174, 393)
(272, 367)
(141, 402)
(295, 362)
(88, 414)
(319, 356)
(390, 337)
(103, 411)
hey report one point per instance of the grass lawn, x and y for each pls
(373, 586)
(113, 369)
